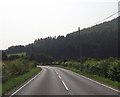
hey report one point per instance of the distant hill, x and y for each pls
(15, 49)
(99, 41)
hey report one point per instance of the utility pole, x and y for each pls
(80, 49)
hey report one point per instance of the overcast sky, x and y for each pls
(23, 21)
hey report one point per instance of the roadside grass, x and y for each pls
(100, 79)
(16, 80)
(0, 78)
(0, 89)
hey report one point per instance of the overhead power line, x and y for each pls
(80, 46)
(108, 17)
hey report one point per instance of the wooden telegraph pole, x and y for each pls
(80, 49)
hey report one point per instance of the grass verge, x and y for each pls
(0, 89)
(16, 80)
(100, 79)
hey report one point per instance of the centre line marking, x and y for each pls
(65, 85)
(59, 76)
(62, 82)
(57, 73)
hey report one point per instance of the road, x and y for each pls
(58, 81)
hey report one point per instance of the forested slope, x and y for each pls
(99, 41)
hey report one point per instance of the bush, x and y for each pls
(114, 72)
(109, 68)
(16, 67)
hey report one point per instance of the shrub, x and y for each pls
(16, 67)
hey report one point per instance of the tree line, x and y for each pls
(99, 41)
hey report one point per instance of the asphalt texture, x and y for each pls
(58, 81)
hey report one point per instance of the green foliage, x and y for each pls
(15, 68)
(100, 41)
(109, 68)
(115, 71)
(103, 80)
(107, 81)
(16, 80)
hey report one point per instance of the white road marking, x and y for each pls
(59, 76)
(98, 82)
(65, 85)
(101, 84)
(63, 82)
(57, 73)
(24, 85)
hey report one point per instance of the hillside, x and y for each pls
(99, 41)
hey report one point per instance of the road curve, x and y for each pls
(58, 81)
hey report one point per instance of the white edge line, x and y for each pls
(97, 82)
(101, 84)
(24, 85)
(65, 85)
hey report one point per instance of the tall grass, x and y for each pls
(16, 71)
(107, 70)
(16, 67)
(16, 80)
(0, 78)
